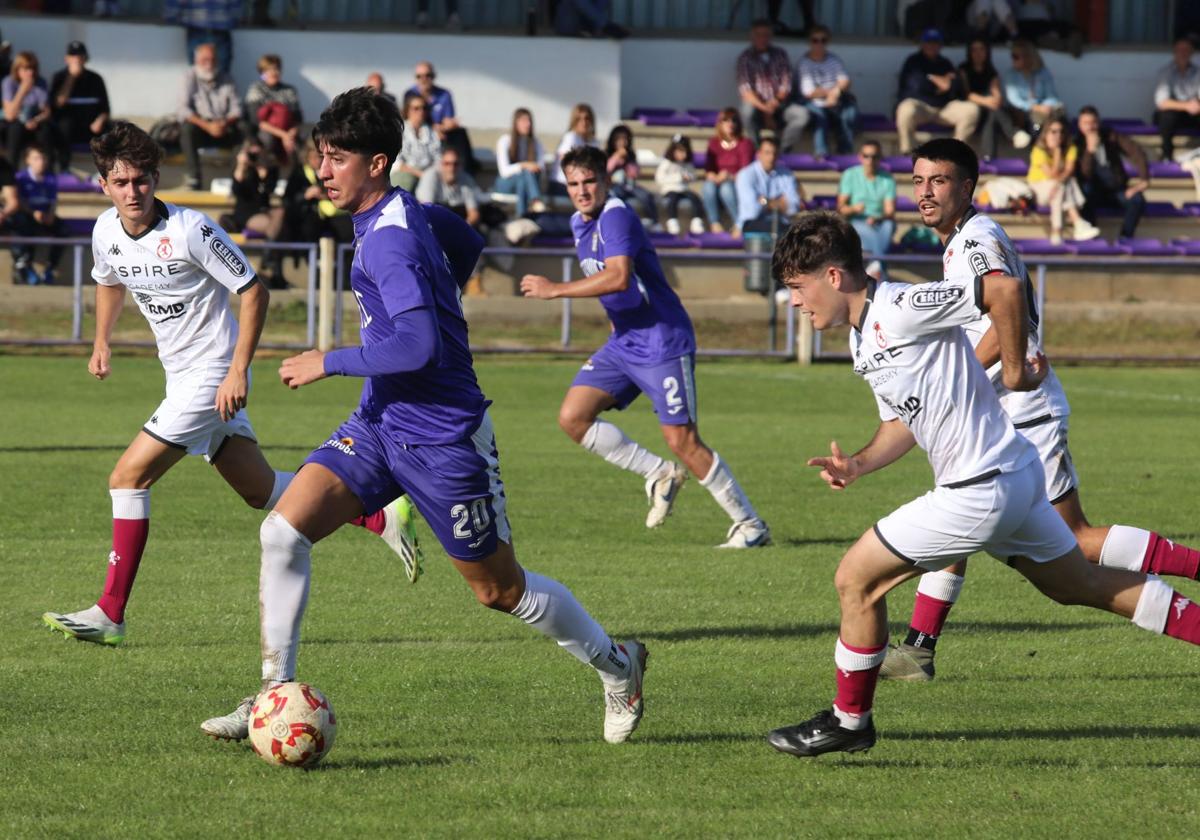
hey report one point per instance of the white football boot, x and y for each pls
(234, 726)
(400, 533)
(661, 492)
(90, 625)
(623, 702)
(753, 533)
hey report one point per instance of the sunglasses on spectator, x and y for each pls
(424, 75)
(416, 107)
(819, 40)
(869, 155)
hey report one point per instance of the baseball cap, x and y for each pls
(932, 34)
(77, 48)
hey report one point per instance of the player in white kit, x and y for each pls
(975, 244)
(907, 343)
(180, 267)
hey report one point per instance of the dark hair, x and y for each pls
(949, 150)
(586, 157)
(409, 99)
(678, 141)
(820, 29)
(814, 241)
(989, 69)
(514, 139)
(870, 142)
(759, 23)
(732, 115)
(765, 138)
(1089, 109)
(125, 142)
(361, 121)
(619, 131)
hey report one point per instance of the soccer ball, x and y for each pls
(292, 724)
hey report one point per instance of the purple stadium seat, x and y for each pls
(704, 117)
(843, 162)
(875, 122)
(1163, 210)
(68, 183)
(1098, 248)
(674, 119)
(660, 239)
(1190, 247)
(904, 204)
(1040, 246)
(638, 113)
(1012, 167)
(823, 202)
(1168, 169)
(1191, 208)
(552, 242)
(898, 164)
(722, 241)
(934, 128)
(805, 163)
(699, 157)
(1130, 125)
(1145, 246)
(80, 227)
(251, 233)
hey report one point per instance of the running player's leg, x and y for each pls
(912, 659)
(143, 463)
(1127, 547)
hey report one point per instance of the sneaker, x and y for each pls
(753, 533)
(234, 726)
(661, 493)
(1021, 139)
(623, 702)
(1084, 230)
(697, 226)
(90, 625)
(673, 227)
(1056, 238)
(907, 662)
(26, 274)
(821, 734)
(400, 533)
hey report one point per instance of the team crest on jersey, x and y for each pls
(880, 338)
(228, 257)
(164, 249)
(935, 298)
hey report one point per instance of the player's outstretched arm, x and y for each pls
(1004, 301)
(252, 314)
(892, 441)
(109, 300)
(614, 278)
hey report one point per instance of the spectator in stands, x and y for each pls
(207, 22)
(1102, 175)
(1029, 92)
(581, 131)
(519, 164)
(209, 113)
(767, 193)
(729, 152)
(78, 102)
(309, 215)
(867, 198)
(453, 20)
(420, 147)
(1036, 22)
(442, 116)
(981, 83)
(273, 110)
(255, 174)
(375, 83)
(929, 90)
(991, 20)
(674, 176)
(764, 80)
(37, 192)
(26, 107)
(623, 172)
(1052, 178)
(448, 185)
(10, 202)
(587, 18)
(1177, 96)
(825, 92)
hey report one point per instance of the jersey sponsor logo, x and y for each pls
(907, 410)
(344, 445)
(228, 257)
(880, 337)
(935, 298)
(164, 249)
(876, 360)
(979, 263)
(170, 310)
(135, 271)
(115, 250)
(205, 233)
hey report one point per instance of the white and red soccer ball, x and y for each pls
(292, 725)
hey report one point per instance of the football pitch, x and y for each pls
(1044, 721)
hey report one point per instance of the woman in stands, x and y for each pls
(26, 107)
(273, 110)
(729, 151)
(981, 81)
(1052, 179)
(580, 132)
(420, 149)
(519, 164)
(1029, 92)
(255, 174)
(623, 172)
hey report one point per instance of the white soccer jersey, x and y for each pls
(980, 246)
(910, 350)
(180, 272)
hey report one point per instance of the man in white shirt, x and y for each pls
(1177, 96)
(825, 92)
(767, 193)
(907, 343)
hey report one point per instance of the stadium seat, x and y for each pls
(898, 164)
(660, 239)
(1168, 169)
(876, 122)
(843, 162)
(806, 163)
(1130, 125)
(1011, 167)
(69, 183)
(904, 204)
(1190, 247)
(1042, 247)
(541, 241)
(80, 227)
(722, 241)
(1163, 210)
(1098, 248)
(822, 202)
(704, 117)
(1145, 246)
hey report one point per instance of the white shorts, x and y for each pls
(1050, 438)
(1006, 516)
(187, 418)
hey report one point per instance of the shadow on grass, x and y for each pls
(1065, 733)
(807, 631)
(699, 738)
(391, 762)
(796, 542)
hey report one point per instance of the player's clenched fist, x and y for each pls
(98, 365)
(537, 286)
(838, 470)
(308, 367)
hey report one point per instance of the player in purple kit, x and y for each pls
(651, 350)
(421, 427)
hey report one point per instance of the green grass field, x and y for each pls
(1044, 721)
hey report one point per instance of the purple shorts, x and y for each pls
(455, 486)
(670, 385)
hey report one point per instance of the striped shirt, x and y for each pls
(766, 73)
(819, 74)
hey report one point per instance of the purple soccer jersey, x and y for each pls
(400, 266)
(649, 323)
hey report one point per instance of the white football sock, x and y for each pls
(551, 609)
(1154, 605)
(610, 443)
(1125, 548)
(728, 493)
(282, 480)
(942, 585)
(282, 591)
(130, 504)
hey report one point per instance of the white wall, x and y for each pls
(490, 76)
